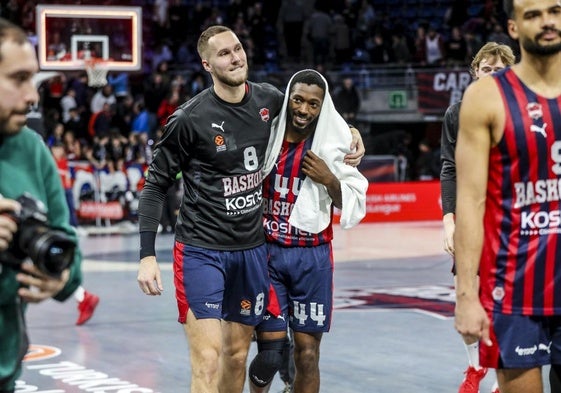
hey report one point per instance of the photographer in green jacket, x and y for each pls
(39, 257)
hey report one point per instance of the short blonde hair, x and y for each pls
(492, 49)
(202, 44)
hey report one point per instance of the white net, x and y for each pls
(97, 72)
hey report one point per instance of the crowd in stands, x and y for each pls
(115, 126)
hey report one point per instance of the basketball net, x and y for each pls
(97, 71)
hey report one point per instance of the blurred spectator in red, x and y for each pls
(100, 122)
(59, 154)
(167, 107)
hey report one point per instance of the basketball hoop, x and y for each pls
(97, 72)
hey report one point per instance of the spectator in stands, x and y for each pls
(420, 53)
(120, 83)
(428, 161)
(77, 123)
(197, 84)
(155, 90)
(347, 100)
(161, 54)
(141, 122)
(434, 44)
(318, 32)
(292, 16)
(341, 40)
(116, 151)
(167, 107)
(258, 25)
(124, 114)
(57, 136)
(498, 35)
(68, 101)
(80, 86)
(72, 146)
(456, 48)
(379, 51)
(400, 48)
(59, 154)
(100, 122)
(101, 97)
(97, 153)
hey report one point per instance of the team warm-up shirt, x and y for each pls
(220, 149)
(280, 191)
(447, 158)
(521, 260)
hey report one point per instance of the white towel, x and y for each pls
(332, 140)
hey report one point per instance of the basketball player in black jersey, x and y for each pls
(217, 140)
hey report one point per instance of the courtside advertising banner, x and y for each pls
(403, 201)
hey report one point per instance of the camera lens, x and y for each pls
(50, 250)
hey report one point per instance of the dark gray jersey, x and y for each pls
(448, 169)
(219, 148)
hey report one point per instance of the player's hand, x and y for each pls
(316, 169)
(449, 229)
(7, 225)
(149, 276)
(471, 320)
(38, 285)
(357, 148)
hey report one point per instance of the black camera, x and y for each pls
(49, 249)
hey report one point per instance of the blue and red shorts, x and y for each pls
(521, 341)
(302, 279)
(229, 285)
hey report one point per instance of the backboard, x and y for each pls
(68, 35)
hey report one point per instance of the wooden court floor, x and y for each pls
(392, 329)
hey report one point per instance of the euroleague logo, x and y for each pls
(245, 307)
(41, 352)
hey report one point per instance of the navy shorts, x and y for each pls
(521, 341)
(302, 279)
(229, 285)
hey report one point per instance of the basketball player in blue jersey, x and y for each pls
(492, 57)
(508, 229)
(300, 259)
(218, 141)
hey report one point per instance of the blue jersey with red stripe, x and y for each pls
(520, 266)
(280, 190)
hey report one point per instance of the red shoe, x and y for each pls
(87, 307)
(472, 380)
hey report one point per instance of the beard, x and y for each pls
(9, 126)
(307, 129)
(233, 82)
(532, 46)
